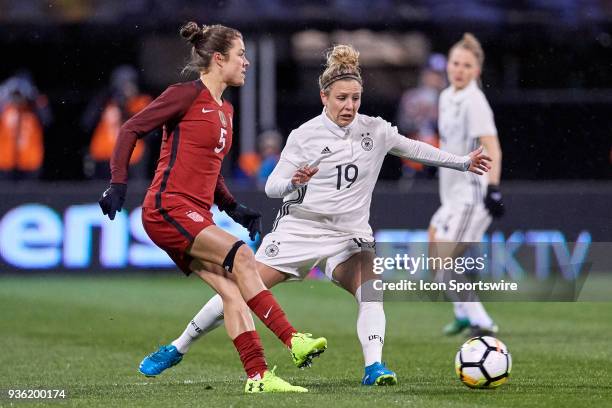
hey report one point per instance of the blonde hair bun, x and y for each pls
(342, 63)
(470, 42)
(343, 55)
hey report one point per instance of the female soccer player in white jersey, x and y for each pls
(469, 201)
(326, 175)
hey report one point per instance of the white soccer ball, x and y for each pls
(483, 362)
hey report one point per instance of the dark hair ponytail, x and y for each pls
(205, 42)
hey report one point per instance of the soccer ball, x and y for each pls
(483, 362)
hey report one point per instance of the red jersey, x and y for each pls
(197, 134)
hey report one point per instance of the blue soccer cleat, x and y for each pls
(164, 358)
(378, 374)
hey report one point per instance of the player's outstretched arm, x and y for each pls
(172, 103)
(432, 156)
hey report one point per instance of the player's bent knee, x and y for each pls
(244, 260)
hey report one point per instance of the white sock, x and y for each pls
(370, 329)
(459, 308)
(207, 319)
(477, 314)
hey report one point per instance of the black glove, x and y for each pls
(249, 219)
(112, 199)
(494, 201)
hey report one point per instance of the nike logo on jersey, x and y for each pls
(204, 110)
(268, 313)
(325, 150)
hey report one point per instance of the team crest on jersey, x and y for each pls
(367, 143)
(196, 217)
(222, 118)
(272, 249)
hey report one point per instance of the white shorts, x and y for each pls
(296, 255)
(461, 222)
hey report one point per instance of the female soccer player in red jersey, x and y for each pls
(197, 134)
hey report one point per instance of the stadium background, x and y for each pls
(547, 75)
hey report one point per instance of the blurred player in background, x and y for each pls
(417, 115)
(270, 146)
(198, 130)
(103, 118)
(468, 201)
(24, 115)
(326, 175)
(255, 167)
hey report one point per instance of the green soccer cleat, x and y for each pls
(271, 383)
(304, 348)
(456, 326)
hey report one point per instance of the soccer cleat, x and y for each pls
(271, 383)
(378, 374)
(304, 348)
(478, 331)
(456, 326)
(164, 358)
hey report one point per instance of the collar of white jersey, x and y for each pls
(460, 95)
(334, 128)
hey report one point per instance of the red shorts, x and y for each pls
(174, 229)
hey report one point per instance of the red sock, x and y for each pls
(270, 313)
(251, 353)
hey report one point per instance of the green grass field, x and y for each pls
(88, 335)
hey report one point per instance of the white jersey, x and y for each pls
(464, 116)
(337, 198)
